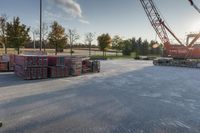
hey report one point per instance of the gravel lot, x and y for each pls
(126, 97)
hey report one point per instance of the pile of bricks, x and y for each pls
(86, 66)
(4, 66)
(76, 67)
(57, 67)
(6, 63)
(31, 67)
(41, 67)
(10, 60)
(89, 66)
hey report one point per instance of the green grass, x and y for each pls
(111, 57)
(114, 57)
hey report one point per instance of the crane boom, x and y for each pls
(194, 5)
(177, 55)
(157, 22)
(155, 19)
(197, 36)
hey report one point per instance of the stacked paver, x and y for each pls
(86, 66)
(6, 63)
(31, 67)
(57, 67)
(4, 66)
(41, 67)
(90, 66)
(10, 60)
(75, 65)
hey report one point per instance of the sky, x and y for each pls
(116, 17)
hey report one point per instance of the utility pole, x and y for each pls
(33, 39)
(70, 39)
(40, 25)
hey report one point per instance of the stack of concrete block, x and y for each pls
(86, 66)
(31, 67)
(75, 65)
(10, 60)
(89, 66)
(56, 67)
(4, 66)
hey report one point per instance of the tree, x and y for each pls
(73, 37)
(17, 34)
(117, 43)
(145, 48)
(57, 36)
(134, 47)
(138, 46)
(3, 27)
(89, 37)
(104, 42)
(127, 47)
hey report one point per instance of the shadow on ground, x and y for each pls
(10, 79)
(141, 101)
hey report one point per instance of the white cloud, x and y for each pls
(71, 7)
(49, 16)
(84, 21)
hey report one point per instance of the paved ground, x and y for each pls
(126, 97)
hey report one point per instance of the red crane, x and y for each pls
(194, 5)
(176, 52)
(197, 35)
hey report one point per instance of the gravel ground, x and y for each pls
(126, 97)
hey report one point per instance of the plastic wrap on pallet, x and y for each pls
(58, 72)
(4, 66)
(96, 66)
(56, 61)
(31, 61)
(31, 73)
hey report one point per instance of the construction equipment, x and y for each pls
(194, 5)
(175, 54)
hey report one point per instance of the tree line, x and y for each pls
(129, 46)
(15, 34)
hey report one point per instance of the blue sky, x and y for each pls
(117, 17)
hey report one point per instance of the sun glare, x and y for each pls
(196, 27)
